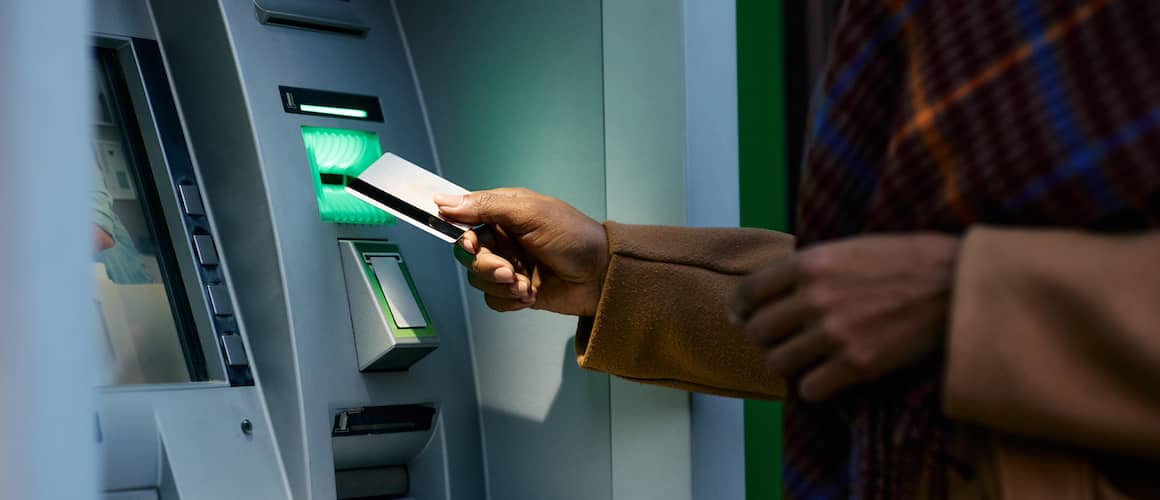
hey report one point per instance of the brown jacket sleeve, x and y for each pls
(1057, 335)
(662, 317)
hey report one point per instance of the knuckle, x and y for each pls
(831, 337)
(833, 328)
(819, 296)
(484, 200)
(814, 262)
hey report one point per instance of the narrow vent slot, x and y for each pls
(316, 15)
(308, 25)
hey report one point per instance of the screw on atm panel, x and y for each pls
(247, 427)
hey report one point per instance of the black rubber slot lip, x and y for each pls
(385, 420)
(333, 179)
(296, 23)
(410, 211)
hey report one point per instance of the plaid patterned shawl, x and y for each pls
(936, 115)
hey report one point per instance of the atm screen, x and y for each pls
(148, 337)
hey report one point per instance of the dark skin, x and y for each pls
(850, 311)
(539, 253)
(832, 316)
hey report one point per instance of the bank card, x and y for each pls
(407, 191)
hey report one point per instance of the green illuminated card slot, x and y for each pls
(336, 156)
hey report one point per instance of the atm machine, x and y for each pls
(268, 335)
(353, 326)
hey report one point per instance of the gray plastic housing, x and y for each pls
(391, 328)
(287, 275)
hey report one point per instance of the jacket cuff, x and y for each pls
(661, 317)
(976, 365)
(605, 354)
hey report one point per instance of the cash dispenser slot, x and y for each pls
(391, 327)
(373, 445)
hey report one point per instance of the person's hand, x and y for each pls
(850, 311)
(539, 252)
(101, 239)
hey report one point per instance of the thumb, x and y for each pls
(508, 208)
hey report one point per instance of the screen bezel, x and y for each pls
(155, 140)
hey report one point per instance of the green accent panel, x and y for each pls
(365, 247)
(339, 154)
(763, 450)
(761, 116)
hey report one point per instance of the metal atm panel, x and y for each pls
(290, 283)
(173, 404)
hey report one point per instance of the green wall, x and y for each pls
(762, 154)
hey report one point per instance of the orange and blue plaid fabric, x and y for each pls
(936, 115)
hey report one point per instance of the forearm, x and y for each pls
(1057, 335)
(662, 316)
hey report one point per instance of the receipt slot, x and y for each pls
(391, 327)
